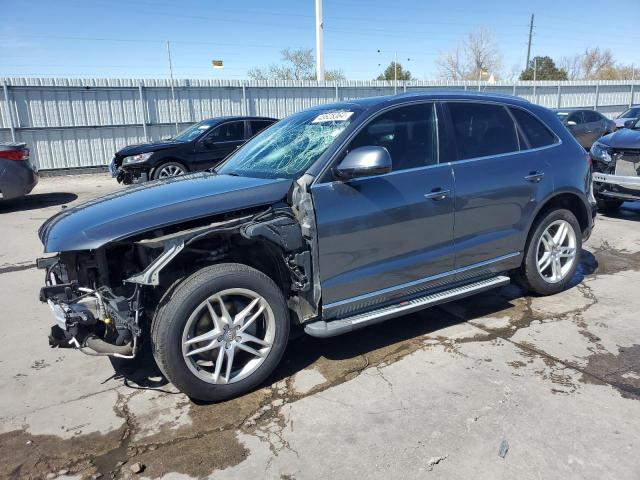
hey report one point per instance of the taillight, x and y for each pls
(17, 155)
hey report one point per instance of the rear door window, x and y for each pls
(535, 131)
(228, 132)
(482, 129)
(591, 116)
(258, 125)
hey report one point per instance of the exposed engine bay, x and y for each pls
(103, 300)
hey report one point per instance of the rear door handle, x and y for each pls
(534, 177)
(437, 194)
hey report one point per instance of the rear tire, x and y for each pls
(606, 205)
(561, 251)
(204, 313)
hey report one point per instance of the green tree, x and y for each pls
(545, 70)
(388, 73)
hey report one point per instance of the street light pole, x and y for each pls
(173, 94)
(319, 42)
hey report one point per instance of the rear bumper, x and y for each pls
(17, 179)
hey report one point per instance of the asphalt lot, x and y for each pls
(499, 385)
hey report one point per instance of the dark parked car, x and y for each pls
(632, 113)
(616, 167)
(17, 175)
(586, 125)
(199, 147)
(333, 219)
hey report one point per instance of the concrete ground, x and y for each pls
(500, 385)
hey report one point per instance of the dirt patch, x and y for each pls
(34, 456)
(622, 371)
(610, 260)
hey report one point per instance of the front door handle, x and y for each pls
(534, 177)
(437, 194)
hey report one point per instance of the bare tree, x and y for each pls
(482, 53)
(572, 65)
(297, 64)
(598, 64)
(479, 55)
(451, 65)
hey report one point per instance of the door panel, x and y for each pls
(218, 144)
(380, 237)
(380, 232)
(497, 185)
(495, 203)
(579, 131)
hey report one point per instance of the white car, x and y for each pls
(632, 113)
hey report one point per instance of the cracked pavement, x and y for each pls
(497, 385)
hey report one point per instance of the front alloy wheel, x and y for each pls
(233, 329)
(170, 170)
(220, 332)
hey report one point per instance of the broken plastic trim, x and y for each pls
(174, 243)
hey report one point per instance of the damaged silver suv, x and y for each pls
(333, 219)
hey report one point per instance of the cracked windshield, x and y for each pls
(290, 146)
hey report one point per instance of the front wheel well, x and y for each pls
(568, 201)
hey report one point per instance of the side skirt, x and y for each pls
(332, 328)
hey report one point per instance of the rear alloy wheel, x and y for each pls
(220, 332)
(552, 253)
(170, 169)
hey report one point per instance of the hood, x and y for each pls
(146, 147)
(624, 138)
(142, 208)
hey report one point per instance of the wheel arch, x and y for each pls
(164, 160)
(569, 200)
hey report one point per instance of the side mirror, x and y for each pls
(364, 162)
(571, 123)
(630, 123)
(208, 142)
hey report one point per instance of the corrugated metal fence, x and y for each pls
(71, 123)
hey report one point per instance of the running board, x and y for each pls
(332, 328)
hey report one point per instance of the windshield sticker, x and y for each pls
(332, 117)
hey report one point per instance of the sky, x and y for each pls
(127, 38)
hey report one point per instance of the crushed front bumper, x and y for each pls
(620, 187)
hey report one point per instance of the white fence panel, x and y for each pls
(71, 123)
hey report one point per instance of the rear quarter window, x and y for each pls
(536, 132)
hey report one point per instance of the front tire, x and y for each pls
(169, 169)
(221, 332)
(552, 253)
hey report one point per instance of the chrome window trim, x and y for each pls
(413, 283)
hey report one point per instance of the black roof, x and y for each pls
(224, 118)
(386, 100)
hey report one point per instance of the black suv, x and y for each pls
(198, 147)
(333, 219)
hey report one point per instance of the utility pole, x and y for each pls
(319, 42)
(529, 45)
(173, 94)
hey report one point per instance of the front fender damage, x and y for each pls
(291, 230)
